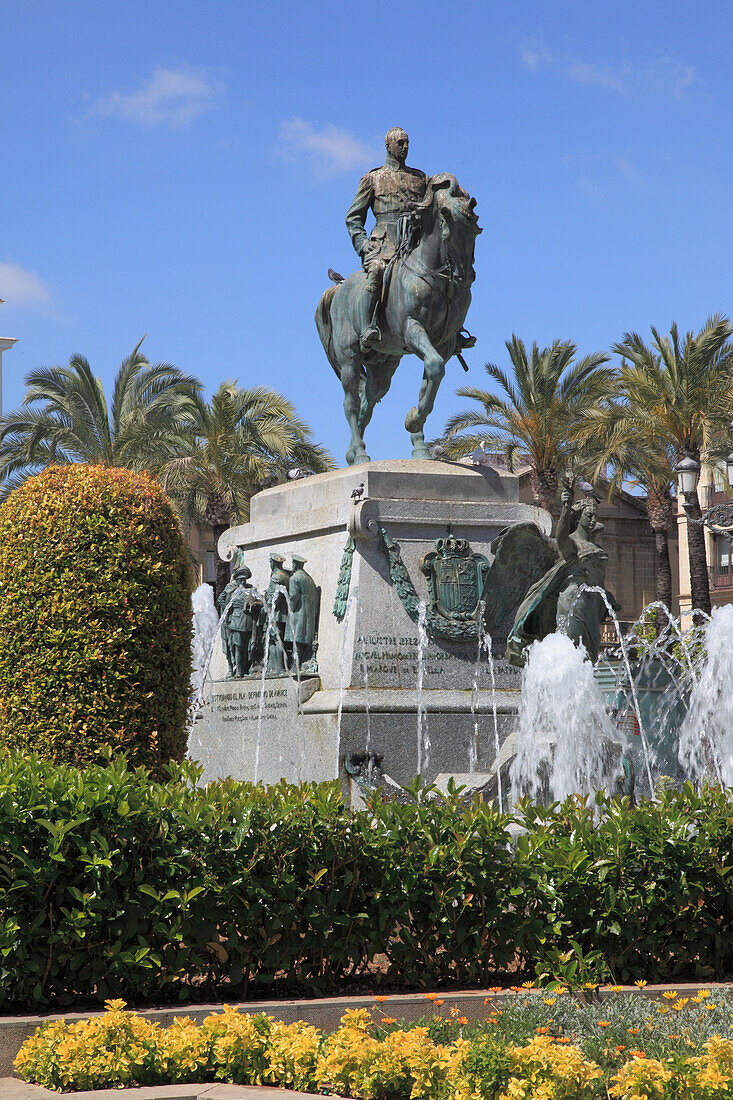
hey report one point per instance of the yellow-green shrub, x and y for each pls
(95, 620)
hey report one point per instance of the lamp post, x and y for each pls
(719, 518)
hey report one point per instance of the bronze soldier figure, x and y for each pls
(389, 192)
(302, 629)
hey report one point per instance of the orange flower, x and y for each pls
(637, 1053)
(430, 996)
(438, 1002)
(633, 1030)
(563, 1039)
(619, 1048)
(542, 1030)
(381, 998)
(604, 1023)
(388, 1020)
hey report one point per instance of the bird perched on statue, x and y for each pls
(438, 452)
(358, 493)
(334, 276)
(587, 488)
(298, 472)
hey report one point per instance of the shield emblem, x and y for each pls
(455, 578)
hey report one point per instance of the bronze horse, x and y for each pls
(427, 298)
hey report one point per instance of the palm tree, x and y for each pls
(608, 440)
(683, 400)
(243, 439)
(65, 418)
(534, 416)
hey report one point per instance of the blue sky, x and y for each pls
(183, 169)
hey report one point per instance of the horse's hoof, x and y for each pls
(412, 421)
(421, 450)
(360, 458)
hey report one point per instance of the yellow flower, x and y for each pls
(671, 995)
(680, 1004)
(549, 1001)
(640, 982)
(616, 988)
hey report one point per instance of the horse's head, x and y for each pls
(451, 212)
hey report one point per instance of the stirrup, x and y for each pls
(371, 335)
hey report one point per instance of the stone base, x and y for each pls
(369, 658)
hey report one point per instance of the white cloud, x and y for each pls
(627, 170)
(171, 97)
(22, 288)
(325, 150)
(662, 75)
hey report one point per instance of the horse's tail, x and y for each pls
(325, 327)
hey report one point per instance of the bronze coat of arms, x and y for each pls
(456, 578)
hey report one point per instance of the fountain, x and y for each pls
(706, 736)
(566, 743)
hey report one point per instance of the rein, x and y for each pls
(448, 269)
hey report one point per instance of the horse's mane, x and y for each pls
(437, 183)
(448, 182)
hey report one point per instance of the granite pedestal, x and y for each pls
(365, 696)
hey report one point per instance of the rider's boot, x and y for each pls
(372, 334)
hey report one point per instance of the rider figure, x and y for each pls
(389, 192)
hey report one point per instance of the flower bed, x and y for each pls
(541, 1046)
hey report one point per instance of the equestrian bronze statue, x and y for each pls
(412, 294)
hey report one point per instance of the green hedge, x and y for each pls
(111, 885)
(95, 618)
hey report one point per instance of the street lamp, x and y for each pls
(719, 518)
(688, 475)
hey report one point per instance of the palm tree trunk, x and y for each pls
(223, 568)
(661, 519)
(219, 519)
(699, 579)
(663, 568)
(544, 489)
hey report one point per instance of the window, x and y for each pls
(210, 567)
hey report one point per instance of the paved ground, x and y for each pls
(12, 1089)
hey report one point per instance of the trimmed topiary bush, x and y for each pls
(95, 618)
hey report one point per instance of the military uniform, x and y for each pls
(388, 191)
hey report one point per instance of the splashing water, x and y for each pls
(205, 630)
(497, 745)
(365, 679)
(265, 660)
(565, 739)
(351, 600)
(423, 736)
(706, 736)
(475, 684)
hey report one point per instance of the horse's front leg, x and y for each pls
(417, 340)
(350, 364)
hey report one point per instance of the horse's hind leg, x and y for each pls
(417, 340)
(350, 370)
